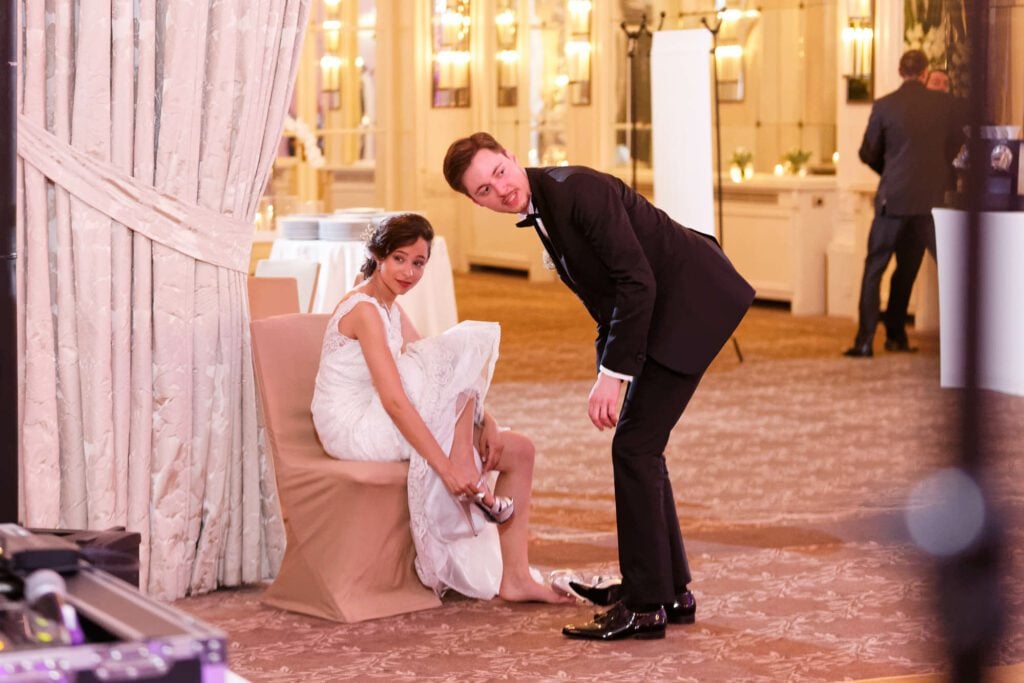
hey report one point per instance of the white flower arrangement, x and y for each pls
(307, 137)
(932, 42)
(939, 29)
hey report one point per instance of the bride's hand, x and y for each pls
(460, 481)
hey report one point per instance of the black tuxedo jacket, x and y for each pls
(911, 139)
(653, 287)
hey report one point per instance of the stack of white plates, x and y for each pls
(299, 227)
(340, 227)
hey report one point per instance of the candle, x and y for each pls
(505, 24)
(730, 59)
(452, 69)
(451, 28)
(579, 17)
(330, 68)
(332, 34)
(508, 62)
(859, 9)
(577, 53)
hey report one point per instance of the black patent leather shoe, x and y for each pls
(899, 346)
(602, 595)
(859, 351)
(621, 622)
(683, 610)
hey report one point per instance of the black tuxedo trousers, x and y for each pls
(906, 237)
(652, 557)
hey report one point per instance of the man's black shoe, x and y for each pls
(602, 595)
(899, 346)
(621, 622)
(859, 351)
(683, 610)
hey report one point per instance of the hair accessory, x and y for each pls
(368, 232)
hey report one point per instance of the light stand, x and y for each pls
(632, 39)
(718, 146)
(8, 257)
(718, 123)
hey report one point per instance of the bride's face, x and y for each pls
(402, 269)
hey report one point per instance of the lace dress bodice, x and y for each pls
(345, 398)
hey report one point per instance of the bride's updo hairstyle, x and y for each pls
(392, 233)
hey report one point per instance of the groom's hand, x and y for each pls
(604, 401)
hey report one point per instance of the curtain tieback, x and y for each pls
(203, 234)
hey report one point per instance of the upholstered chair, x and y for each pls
(350, 552)
(306, 274)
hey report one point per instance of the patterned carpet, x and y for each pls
(792, 473)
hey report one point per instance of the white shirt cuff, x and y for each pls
(616, 375)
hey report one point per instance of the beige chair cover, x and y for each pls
(306, 274)
(349, 554)
(272, 296)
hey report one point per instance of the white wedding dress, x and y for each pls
(455, 546)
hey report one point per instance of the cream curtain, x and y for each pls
(146, 132)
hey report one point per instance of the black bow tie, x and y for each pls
(529, 222)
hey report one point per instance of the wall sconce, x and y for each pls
(577, 51)
(507, 58)
(451, 53)
(452, 70)
(579, 17)
(332, 34)
(858, 51)
(730, 67)
(508, 78)
(577, 56)
(330, 62)
(330, 79)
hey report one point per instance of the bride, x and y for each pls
(385, 394)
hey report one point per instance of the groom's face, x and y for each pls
(496, 181)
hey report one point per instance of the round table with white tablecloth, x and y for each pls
(430, 304)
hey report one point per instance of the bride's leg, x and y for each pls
(462, 442)
(515, 479)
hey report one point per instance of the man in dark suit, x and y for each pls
(910, 141)
(665, 299)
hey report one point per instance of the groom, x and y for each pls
(665, 299)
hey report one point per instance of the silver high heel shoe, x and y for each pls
(500, 511)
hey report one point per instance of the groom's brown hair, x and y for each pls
(460, 156)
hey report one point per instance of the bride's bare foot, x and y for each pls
(528, 590)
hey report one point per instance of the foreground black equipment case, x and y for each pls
(127, 636)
